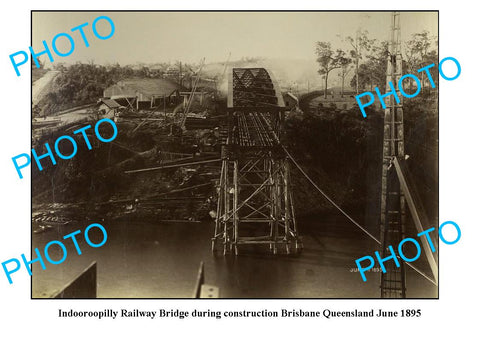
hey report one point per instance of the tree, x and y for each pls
(359, 43)
(328, 60)
(419, 53)
(373, 71)
(344, 68)
(364, 78)
(39, 60)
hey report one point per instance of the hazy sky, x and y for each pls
(189, 36)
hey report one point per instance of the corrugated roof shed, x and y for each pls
(144, 88)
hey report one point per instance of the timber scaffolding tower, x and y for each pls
(255, 201)
(397, 187)
(392, 217)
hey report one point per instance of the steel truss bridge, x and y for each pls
(255, 201)
(254, 196)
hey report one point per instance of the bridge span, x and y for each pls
(255, 201)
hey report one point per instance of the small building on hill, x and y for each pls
(291, 101)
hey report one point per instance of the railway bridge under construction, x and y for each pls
(255, 202)
(255, 188)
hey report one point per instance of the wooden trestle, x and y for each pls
(392, 217)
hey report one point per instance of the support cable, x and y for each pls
(347, 216)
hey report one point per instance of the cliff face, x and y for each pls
(342, 153)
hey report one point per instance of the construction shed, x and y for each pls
(145, 93)
(108, 106)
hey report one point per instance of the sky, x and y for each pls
(151, 37)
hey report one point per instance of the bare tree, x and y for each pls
(359, 43)
(344, 68)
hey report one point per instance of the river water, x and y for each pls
(161, 260)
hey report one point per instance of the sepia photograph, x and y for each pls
(234, 154)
